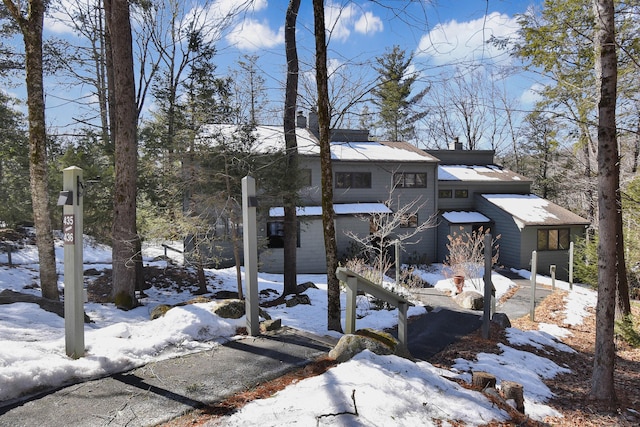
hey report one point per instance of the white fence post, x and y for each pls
(534, 272)
(71, 200)
(250, 240)
(488, 287)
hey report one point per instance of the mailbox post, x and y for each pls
(72, 229)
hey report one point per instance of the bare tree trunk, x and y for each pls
(291, 177)
(126, 242)
(322, 79)
(31, 28)
(236, 240)
(602, 385)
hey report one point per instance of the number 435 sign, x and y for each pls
(69, 229)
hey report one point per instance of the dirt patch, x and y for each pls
(571, 390)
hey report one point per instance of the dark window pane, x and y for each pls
(343, 180)
(563, 238)
(553, 240)
(361, 180)
(462, 194)
(421, 180)
(543, 240)
(444, 194)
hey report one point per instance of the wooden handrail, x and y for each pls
(354, 283)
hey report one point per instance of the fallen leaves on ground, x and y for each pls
(572, 397)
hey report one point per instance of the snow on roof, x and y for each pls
(271, 138)
(267, 138)
(461, 217)
(476, 173)
(379, 151)
(529, 209)
(339, 209)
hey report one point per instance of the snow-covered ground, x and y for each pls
(387, 390)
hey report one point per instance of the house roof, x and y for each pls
(339, 209)
(271, 138)
(478, 173)
(531, 210)
(463, 217)
(378, 151)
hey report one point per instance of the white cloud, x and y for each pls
(253, 35)
(341, 20)
(58, 18)
(532, 95)
(455, 42)
(338, 20)
(369, 24)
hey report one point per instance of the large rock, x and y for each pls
(298, 299)
(470, 300)
(375, 341)
(235, 309)
(502, 320)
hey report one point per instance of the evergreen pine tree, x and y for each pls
(392, 95)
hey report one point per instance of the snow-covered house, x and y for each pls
(462, 188)
(473, 192)
(368, 177)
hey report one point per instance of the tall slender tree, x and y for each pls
(291, 144)
(30, 21)
(330, 244)
(609, 258)
(126, 242)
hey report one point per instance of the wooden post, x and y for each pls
(534, 273)
(488, 287)
(72, 224)
(397, 247)
(403, 328)
(571, 265)
(250, 240)
(352, 294)
(354, 283)
(552, 271)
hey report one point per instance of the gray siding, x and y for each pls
(422, 247)
(510, 253)
(474, 188)
(546, 258)
(310, 255)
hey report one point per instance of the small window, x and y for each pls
(410, 180)
(275, 234)
(409, 221)
(353, 180)
(445, 194)
(553, 239)
(305, 177)
(462, 194)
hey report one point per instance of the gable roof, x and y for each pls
(271, 138)
(478, 173)
(531, 210)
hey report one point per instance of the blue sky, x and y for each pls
(440, 34)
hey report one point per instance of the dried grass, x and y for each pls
(571, 391)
